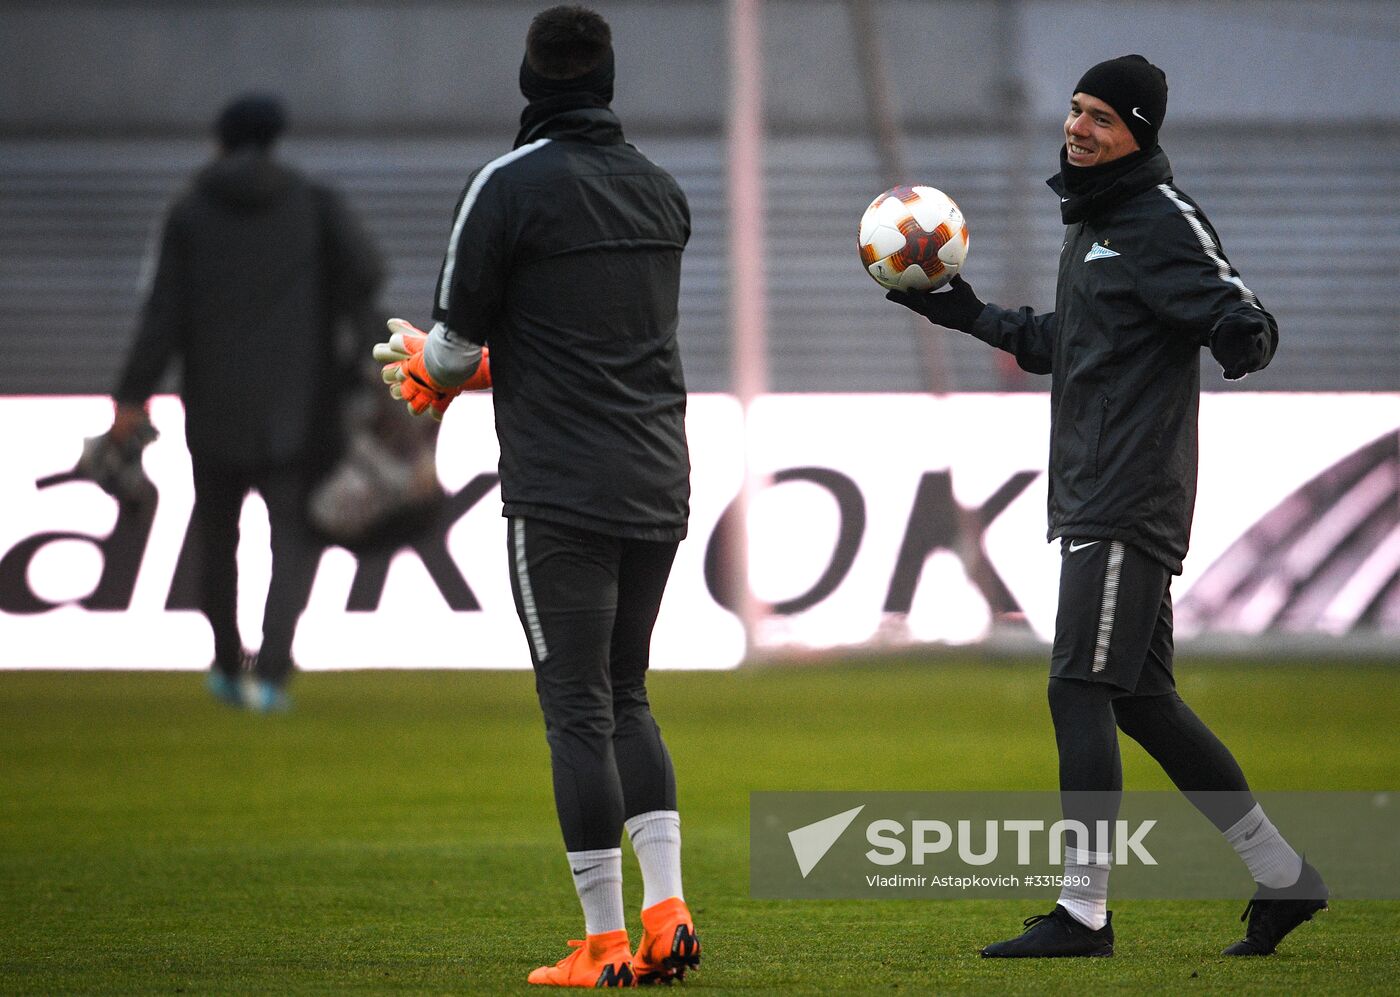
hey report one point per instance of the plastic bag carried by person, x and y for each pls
(112, 460)
(385, 485)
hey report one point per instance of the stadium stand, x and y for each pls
(76, 217)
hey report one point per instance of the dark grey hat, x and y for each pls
(252, 119)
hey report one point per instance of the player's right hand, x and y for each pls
(954, 305)
(405, 374)
(128, 421)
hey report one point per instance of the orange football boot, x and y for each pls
(603, 960)
(669, 944)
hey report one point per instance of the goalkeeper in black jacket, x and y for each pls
(1143, 285)
(565, 261)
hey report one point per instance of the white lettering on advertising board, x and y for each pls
(878, 519)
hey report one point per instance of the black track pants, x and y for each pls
(588, 602)
(1091, 772)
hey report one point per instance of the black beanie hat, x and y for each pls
(253, 119)
(597, 81)
(1134, 88)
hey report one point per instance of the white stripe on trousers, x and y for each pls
(527, 593)
(1110, 604)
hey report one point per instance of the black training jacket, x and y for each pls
(1142, 282)
(256, 264)
(565, 260)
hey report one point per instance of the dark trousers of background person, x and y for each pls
(588, 603)
(219, 491)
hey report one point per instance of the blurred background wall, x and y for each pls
(1284, 122)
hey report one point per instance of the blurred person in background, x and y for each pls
(257, 267)
(565, 260)
(1143, 285)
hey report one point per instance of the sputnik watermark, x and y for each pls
(956, 882)
(926, 838)
(932, 837)
(1029, 844)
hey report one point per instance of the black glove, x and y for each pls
(1240, 343)
(955, 306)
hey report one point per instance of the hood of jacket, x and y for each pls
(246, 180)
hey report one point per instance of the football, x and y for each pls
(912, 238)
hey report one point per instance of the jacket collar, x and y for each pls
(1093, 192)
(246, 180)
(596, 125)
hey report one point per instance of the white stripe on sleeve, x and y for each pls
(1208, 245)
(450, 264)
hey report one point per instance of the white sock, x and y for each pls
(1271, 860)
(1088, 903)
(598, 881)
(656, 838)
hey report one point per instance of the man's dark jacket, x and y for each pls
(565, 260)
(1142, 283)
(257, 263)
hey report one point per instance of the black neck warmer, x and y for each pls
(1086, 190)
(549, 97)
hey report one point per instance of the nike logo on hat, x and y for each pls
(1137, 113)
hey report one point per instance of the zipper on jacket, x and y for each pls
(1104, 404)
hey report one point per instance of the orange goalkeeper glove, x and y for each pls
(408, 377)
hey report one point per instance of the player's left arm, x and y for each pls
(356, 270)
(428, 369)
(1191, 285)
(472, 280)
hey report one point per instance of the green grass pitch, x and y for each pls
(395, 833)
